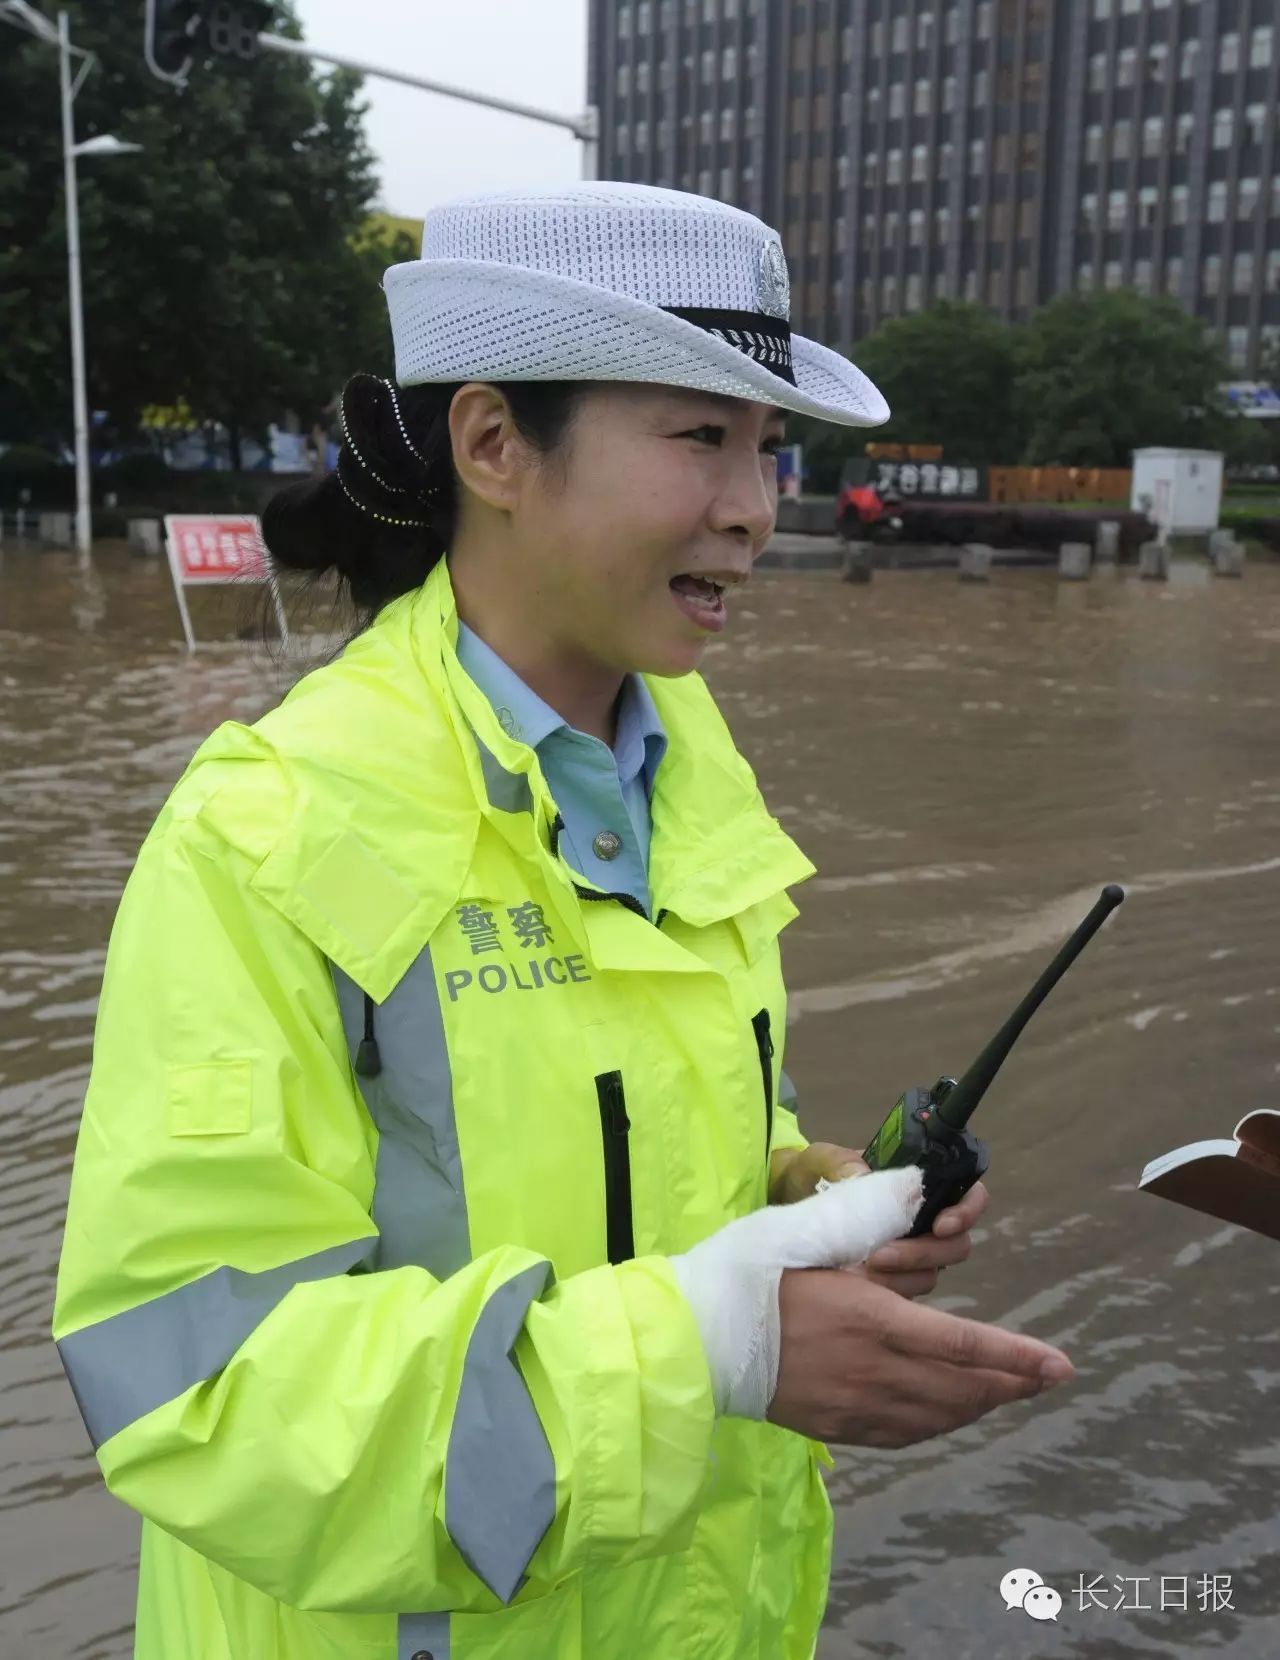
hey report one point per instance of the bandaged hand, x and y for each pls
(908, 1266)
(731, 1279)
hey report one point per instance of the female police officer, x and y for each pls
(440, 1037)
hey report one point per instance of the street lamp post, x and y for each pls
(25, 16)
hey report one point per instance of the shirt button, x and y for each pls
(607, 845)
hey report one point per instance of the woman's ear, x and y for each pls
(491, 458)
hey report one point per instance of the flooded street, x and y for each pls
(967, 765)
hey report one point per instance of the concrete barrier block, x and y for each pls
(1075, 561)
(1107, 541)
(146, 536)
(857, 564)
(1153, 561)
(1228, 559)
(55, 529)
(975, 562)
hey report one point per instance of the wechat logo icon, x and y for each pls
(1023, 1588)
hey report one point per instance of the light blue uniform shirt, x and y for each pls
(597, 789)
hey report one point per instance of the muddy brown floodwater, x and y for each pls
(967, 765)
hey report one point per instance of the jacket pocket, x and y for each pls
(764, 1044)
(615, 1127)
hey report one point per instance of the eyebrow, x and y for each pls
(729, 403)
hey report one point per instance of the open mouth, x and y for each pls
(701, 599)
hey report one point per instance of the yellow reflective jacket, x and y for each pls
(393, 1122)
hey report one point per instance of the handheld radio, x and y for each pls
(928, 1127)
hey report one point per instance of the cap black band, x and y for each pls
(754, 333)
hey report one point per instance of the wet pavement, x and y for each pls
(967, 765)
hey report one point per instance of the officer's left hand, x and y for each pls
(908, 1266)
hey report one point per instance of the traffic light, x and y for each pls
(177, 30)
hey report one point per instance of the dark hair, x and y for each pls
(387, 514)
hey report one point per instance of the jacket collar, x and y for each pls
(394, 756)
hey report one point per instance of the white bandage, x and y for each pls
(731, 1279)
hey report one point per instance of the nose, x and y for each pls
(747, 502)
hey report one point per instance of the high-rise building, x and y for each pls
(1002, 151)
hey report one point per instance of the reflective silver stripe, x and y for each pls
(126, 1366)
(508, 791)
(422, 1634)
(419, 1205)
(500, 1474)
(786, 1092)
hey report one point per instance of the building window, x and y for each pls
(922, 99)
(642, 76)
(977, 154)
(704, 182)
(1157, 62)
(1093, 142)
(1275, 196)
(1102, 8)
(1112, 274)
(886, 294)
(948, 94)
(1148, 204)
(870, 166)
(1188, 52)
(1152, 135)
(1121, 135)
(1211, 282)
(1084, 276)
(842, 172)
(983, 19)
(1173, 275)
(726, 122)
(1229, 52)
(877, 38)
(1089, 211)
(913, 291)
(708, 68)
(1272, 278)
(1117, 208)
(893, 167)
(978, 91)
(726, 184)
(1182, 133)
(704, 127)
(840, 233)
(919, 163)
(900, 26)
(1247, 191)
(728, 63)
(1217, 205)
(1255, 123)
(946, 152)
(1126, 66)
(1098, 72)
(642, 135)
(953, 25)
(643, 11)
(897, 100)
(846, 45)
(1260, 46)
(941, 225)
(924, 31)
(621, 139)
(624, 22)
(624, 79)
(1223, 122)
(1238, 347)
(1242, 274)
(915, 228)
(1142, 275)
(1179, 199)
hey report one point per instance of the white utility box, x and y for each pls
(1180, 490)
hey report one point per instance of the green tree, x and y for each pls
(223, 266)
(948, 376)
(1100, 375)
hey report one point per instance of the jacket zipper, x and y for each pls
(764, 1045)
(614, 1129)
(626, 899)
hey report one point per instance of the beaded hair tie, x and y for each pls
(361, 483)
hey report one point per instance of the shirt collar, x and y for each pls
(523, 715)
